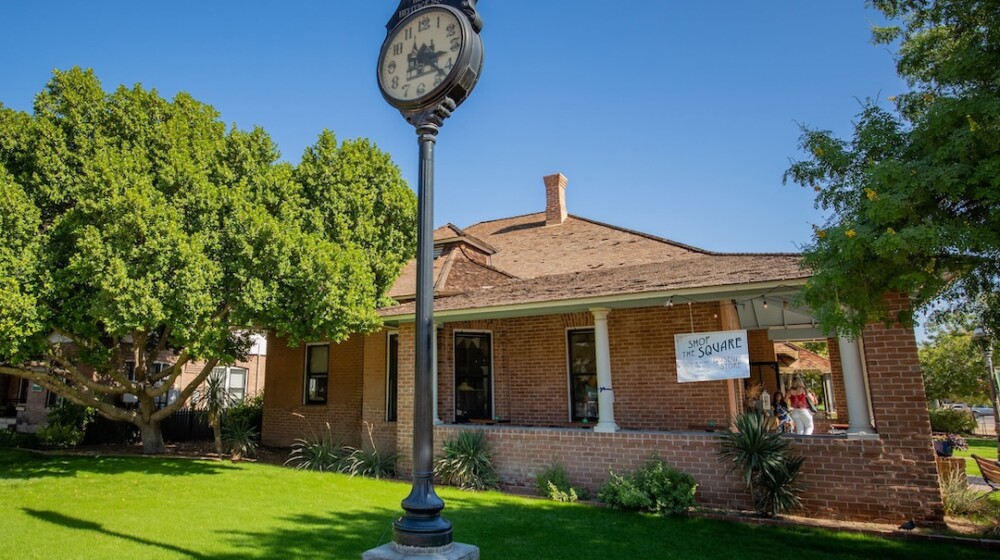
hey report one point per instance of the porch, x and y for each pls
(872, 461)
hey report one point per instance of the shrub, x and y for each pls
(240, 437)
(70, 414)
(10, 438)
(554, 484)
(554, 493)
(656, 487)
(952, 421)
(58, 435)
(371, 463)
(764, 463)
(317, 453)
(66, 426)
(467, 462)
(250, 411)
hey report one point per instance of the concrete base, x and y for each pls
(862, 435)
(606, 428)
(393, 551)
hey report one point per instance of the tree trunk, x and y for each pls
(213, 421)
(152, 438)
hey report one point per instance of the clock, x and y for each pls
(431, 54)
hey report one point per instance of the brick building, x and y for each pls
(556, 336)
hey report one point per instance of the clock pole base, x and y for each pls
(393, 551)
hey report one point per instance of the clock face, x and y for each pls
(420, 54)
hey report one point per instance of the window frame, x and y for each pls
(491, 383)
(307, 375)
(570, 375)
(391, 377)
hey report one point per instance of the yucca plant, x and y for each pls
(467, 462)
(214, 398)
(320, 452)
(371, 463)
(762, 459)
(240, 437)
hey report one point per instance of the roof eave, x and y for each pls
(615, 301)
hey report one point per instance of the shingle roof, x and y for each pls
(455, 271)
(527, 248)
(695, 270)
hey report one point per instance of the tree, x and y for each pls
(953, 366)
(915, 193)
(134, 225)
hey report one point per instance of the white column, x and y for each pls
(854, 386)
(605, 396)
(434, 375)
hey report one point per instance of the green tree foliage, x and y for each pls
(915, 193)
(953, 366)
(133, 225)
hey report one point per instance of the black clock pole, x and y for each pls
(422, 525)
(426, 84)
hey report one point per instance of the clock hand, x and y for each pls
(436, 67)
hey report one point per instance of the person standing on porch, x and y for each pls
(780, 406)
(799, 400)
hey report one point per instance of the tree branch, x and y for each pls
(79, 395)
(186, 392)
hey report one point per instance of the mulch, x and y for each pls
(186, 449)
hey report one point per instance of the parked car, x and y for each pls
(979, 411)
(957, 406)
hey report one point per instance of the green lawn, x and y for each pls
(980, 446)
(54, 507)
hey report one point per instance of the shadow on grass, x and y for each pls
(21, 464)
(328, 536)
(84, 525)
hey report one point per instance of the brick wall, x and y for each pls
(374, 413)
(900, 409)
(287, 418)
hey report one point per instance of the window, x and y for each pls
(22, 391)
(52, 400)
(317, 373)
(235, 381)
(392, 378)
(157, 367)
(582, 375)
(473, 377)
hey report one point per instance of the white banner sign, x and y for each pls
(712, 356)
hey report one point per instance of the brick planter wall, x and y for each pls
(856, 480)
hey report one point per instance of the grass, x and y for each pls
(55, 507)
(980, 446)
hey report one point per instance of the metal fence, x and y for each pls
(183, 425)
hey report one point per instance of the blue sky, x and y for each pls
(673, 118)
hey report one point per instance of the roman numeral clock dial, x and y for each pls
(423, 56)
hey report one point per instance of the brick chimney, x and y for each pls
(555, 199)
